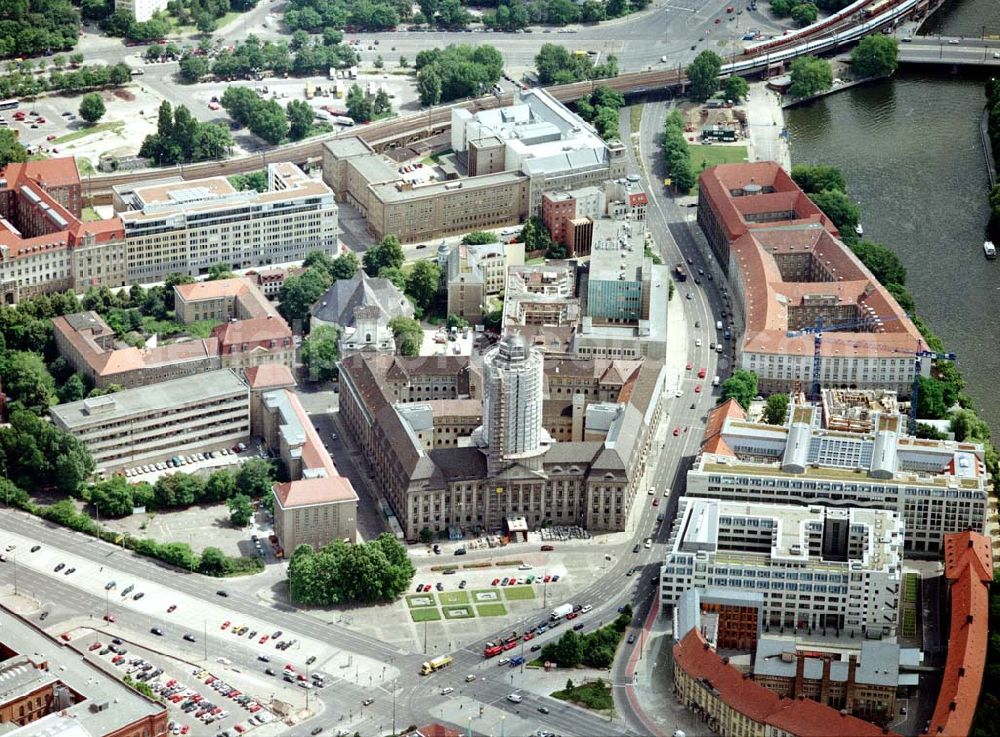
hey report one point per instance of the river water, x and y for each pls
(911, 151)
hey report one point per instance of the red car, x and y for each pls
(185, 729)
(656, 502)
(263, 639)
(427, 587)
(697, 389)
(718, 21)
(50, 137)
(572, 615)
(529, 636)
(254, 708)
(95, 646)
(171, 608)
(225, 624)
(240, 728)
(509, 645)
(547, 578)
(677, 431)
(495, 582)
(40, 120)
(109, 617)
(690, 366)
(118, 659)
(289, 667)
(701, 373)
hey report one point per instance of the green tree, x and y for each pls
(875, 56)
(479, 238)
(463, 71)
(388, 252)
(776, 409)
(319, 353)
(741, 386)
(344, 266)
(205, 23)
(376, 571)
(429, 87)
(111, 498)
(92, 107)
(932, 403)
(804, 14)
(968, 426)
(395, 275)
(884, 264)
(298, 294)
(213, 562)
(703, 75)
(192, 68)
(255, 478)
(736, 88)
(11, 152)
(73, 390)
(809, 76)
(220, 271)
(300, 119)
(240, 510)
(408, 334)
(838, 207)
(379, 62)
(404, 63)
(422, 283)
(781, 8)
(814, 178)
(27, 381)
(567, 651)
(535, 235)
(381, 103)
(220, 486)
(426, 535)
(359, 105)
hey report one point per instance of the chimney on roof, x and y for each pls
(707, 646)
(953, 705)
(969, 618)
(961, 671)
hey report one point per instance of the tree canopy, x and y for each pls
(810, 75)
(876, 55)
(240, 510)
(775, 409)
(703, 75)
(556, 65)
(676, 154)
(813, 178)
(386, 253)
(11, 151)
(363, 573)
(601, 108)
(319, 353)
(741, 386)
(181, 138)
(33, 27)
(299, 293)
(92, 107)
(736, 88)
(408, 334)
(422, 283)
(838, 207)
(463, 71)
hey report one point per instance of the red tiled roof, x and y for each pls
(797, 717)
(269, 375)
(713, 441)
(305, 492)
(251, 331)
(59, 172)
(969, 569)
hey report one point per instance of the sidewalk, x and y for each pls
(765, 122)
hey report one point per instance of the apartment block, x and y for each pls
(44, 244)
(141, 10)
(183, 226)
(789, 270)
(46, 688)
(817, 567)
(153, 423)
(935, 486)
(541, 295)
(569, 214)
(318, 505)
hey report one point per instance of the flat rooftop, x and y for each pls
(80, 675)
(390, 192)
(149, 399)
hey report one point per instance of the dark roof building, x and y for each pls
(360, 308)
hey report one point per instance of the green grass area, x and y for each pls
(454, 597)
(703, 157)
(115, 126)
(501, 563)
(435, 158)
(318, 129)
(635, 117)
(167, 328)
(459, 612)
(425, 614)
(474, 600)
(84, 165)
(491, 610)
(89, 215)
(909, 628)
(411, 600)
(911, 582)
(595, 695)
(227, 18)
(535, 261)
(518, 593)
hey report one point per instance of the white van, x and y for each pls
(718, 348)
(715, 381)
(718, 324)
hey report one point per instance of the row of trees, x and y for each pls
(594, 649)
(993, 132)
(180, 138)
(456, 72)
(122, 24)
(676, 154)
(254, 56)
(364, 573)
(116, 497)
(556, 65)
(32, 27)
(803, 13)
(601, 108)
(363, 108)
(810, 75)
(266, 118)
(20, 84)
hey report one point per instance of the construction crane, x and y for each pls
(918, 356)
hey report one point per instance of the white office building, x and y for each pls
(817, 567)
(176, 225)
(143, 10)
(935, 486)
